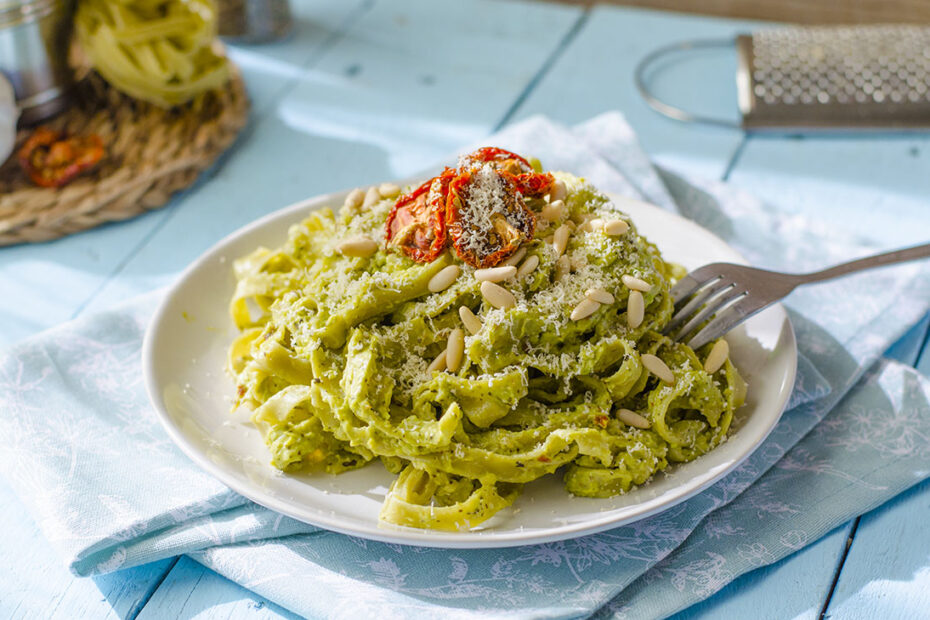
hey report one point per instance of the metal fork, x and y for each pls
(727, 294)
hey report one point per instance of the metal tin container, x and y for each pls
(254, 21)
(34, 54)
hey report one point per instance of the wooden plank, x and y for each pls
(843, 181)
(45, 283)
(271, 69)
(386, 100)
(36, 584)
(191, 591)
(791, 588)
(886, 574)
(595, 74)
(796, 11)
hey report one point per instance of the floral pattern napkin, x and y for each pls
(108, 488)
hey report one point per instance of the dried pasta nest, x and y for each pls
(152, 153)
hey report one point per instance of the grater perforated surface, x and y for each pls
(850, 76)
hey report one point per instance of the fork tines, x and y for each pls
(705, 294)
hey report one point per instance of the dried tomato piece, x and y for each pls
(533, 184)
(527, 181)
(417, 222)
(51, 159)
(486, 217)
(503, 160)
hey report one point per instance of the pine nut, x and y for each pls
(388, 190)
(615, 228)
(497, 296)
(439, 363)
(600, 295)
(563, 267)
(717, 356)
(657, 367)
(471, 322)
(594, 224)
(443, 278)
(635, 309)
(357, 247)
(495, 274)
(636, 284)
(455, 347)
(528, 266)
(553, 211)
(516, 258)
(557, 191)
(560, 239)
(372, 197)
(354, 199)
(585, 309)
(631, 418)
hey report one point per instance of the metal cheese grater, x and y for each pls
(825, 77)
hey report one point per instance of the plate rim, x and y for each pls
(414, 536)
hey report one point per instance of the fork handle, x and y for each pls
(879, 260)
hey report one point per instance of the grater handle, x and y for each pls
(667, 109)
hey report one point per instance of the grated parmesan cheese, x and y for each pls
(491, 214)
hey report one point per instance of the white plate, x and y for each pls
(184, 357)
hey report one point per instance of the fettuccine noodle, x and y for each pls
(161, 51)
(334, 355)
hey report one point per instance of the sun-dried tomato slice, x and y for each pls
(533, 184)
(417, 222)
(527, 181)
(52, 159)
(486, 217)
(503, 160)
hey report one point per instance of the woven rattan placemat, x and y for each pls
(151, 154)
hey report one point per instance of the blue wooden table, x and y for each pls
(367, 90)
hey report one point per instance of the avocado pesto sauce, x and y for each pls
(346, 356)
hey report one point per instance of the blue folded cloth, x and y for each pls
(108, 488)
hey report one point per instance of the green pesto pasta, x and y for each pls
(336, 361)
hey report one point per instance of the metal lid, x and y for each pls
(16, 12)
